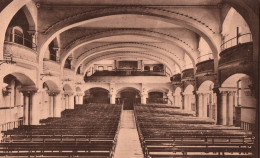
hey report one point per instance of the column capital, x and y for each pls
(53, 92)
(28, 90)
(32, 32)
(68, 93)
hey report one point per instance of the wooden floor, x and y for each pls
(128, 144)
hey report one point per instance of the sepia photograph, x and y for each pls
(129, 78)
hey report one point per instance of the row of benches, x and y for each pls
(88, 131)
(168, 132)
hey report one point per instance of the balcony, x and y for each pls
(127, 79)
(20, 53)
(50, 66)
(128, 72)
(157, 100)
(176, 79)
(236, 54)
(187, 74)
(205, 67)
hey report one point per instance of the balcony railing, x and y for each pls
(15, 38)
(128, 73)
(243, 38)
(205, 57)
(157, 100)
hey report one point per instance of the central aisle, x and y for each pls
(128, 144)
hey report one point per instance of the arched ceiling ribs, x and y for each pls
(108, 55)
(115, 46)
(128, 10)
(130, 31)
(146, 12)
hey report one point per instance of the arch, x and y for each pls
(126, 87)
(206, 86)
(170, 39)
(51, 85)
(112, 55)
(67, 87)
(231, 81)
(167, 16)
(78, 89)
(155, 94)
(229, 27)
(23, 77)
(162, 90)
(6, 16)
(29, 17)
(189, 89)
(177, 91)
(116, 46)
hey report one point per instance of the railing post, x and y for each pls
(237, 35)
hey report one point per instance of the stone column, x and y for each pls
(222, 105)
(113, 98)
(143, 98)
(66, 101)
(57, 54)
(182, 101)
(35, 115)
(33, 34)
(81, 99)
(71, 101)
(205, 105)
(200, 104)
(26, 109)
(51, 106)
(230, 108)
(57, 106)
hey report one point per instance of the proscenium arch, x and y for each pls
(169, 39)
(119, 54)
(115, 46)
(157, 14)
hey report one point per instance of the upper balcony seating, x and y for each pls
(128, 73)
(88, 131)
(168, 132)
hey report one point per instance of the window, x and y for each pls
(17, 35)
(109, 68)
(147, 68)
(100, 68)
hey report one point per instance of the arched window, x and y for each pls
(156, 69)
(100, 68)
(109, 68)
(147, 68)
(17, 35)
